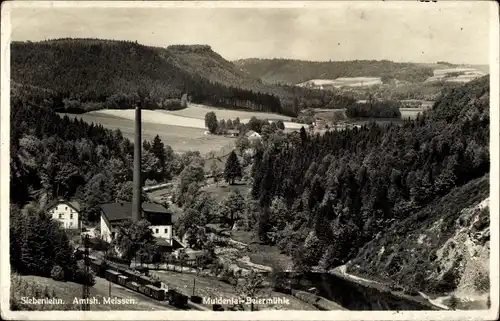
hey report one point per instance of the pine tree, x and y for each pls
(158, 149)
(232, 169)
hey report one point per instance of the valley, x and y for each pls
(364, 188)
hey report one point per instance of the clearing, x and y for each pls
(181, 139)
(184, 130)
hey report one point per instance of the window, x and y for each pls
(157, 231)
(166, 231)
(70, 224)
(60, 215)
(66, 208)
(71, 216)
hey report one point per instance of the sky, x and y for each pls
(409, 32)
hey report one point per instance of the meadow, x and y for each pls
(184, 130)
(180, 138)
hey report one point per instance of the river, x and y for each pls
(354, 295)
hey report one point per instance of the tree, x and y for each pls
(190, 181)
(234, 207)
(232, 169)
(216, 172)
(250, 287)
(280, 124)
(222, 128)
(131, 238)
(211, 122)
(158, 150)
(126, 191)
(184, 101)
(150, 166)
(242, 144)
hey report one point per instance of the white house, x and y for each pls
(67, 213)
(253, 137)
(158, 216)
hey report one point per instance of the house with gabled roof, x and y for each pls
(158, 216)
(65, 212)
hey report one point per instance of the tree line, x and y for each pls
(285, 70)
(374, 109)
(74, 79)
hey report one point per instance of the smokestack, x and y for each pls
(136, 197)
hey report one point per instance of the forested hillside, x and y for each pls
(54, 157)
(297, 71)
(79, 75)
(323, 198)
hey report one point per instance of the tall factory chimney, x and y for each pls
(136, 197)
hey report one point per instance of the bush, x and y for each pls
(196, 299)
(57, 273)
(83, 277)
(172, 104)
(98, 244)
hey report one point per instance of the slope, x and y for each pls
(440, 248)
(297, 71)
(89, 74)
(324, 198)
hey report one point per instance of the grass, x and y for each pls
(184, 130)
(211, 287)
(181, 139)
(199, 112)
(68, 291)
(223, 190)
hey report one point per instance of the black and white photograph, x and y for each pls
(168, 160)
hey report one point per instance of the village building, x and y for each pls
(232, 133)
(65, 212)
(253, 136)
(159, 217)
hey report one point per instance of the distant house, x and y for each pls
(253, 136)
(158, 216)
(65, 212)
(233, 132)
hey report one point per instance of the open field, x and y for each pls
(223, 190)
(199, 112)
(193, 116)
(184, 130)
(68, 291)
(181, 139)
(211, 287)
(343, 82)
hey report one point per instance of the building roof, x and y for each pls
(74, 204)
(156, 214)
(250, 133)
(154, 208)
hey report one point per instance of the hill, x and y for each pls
(78, 75)
(325, 199)
(451, 237)
(297, 71)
